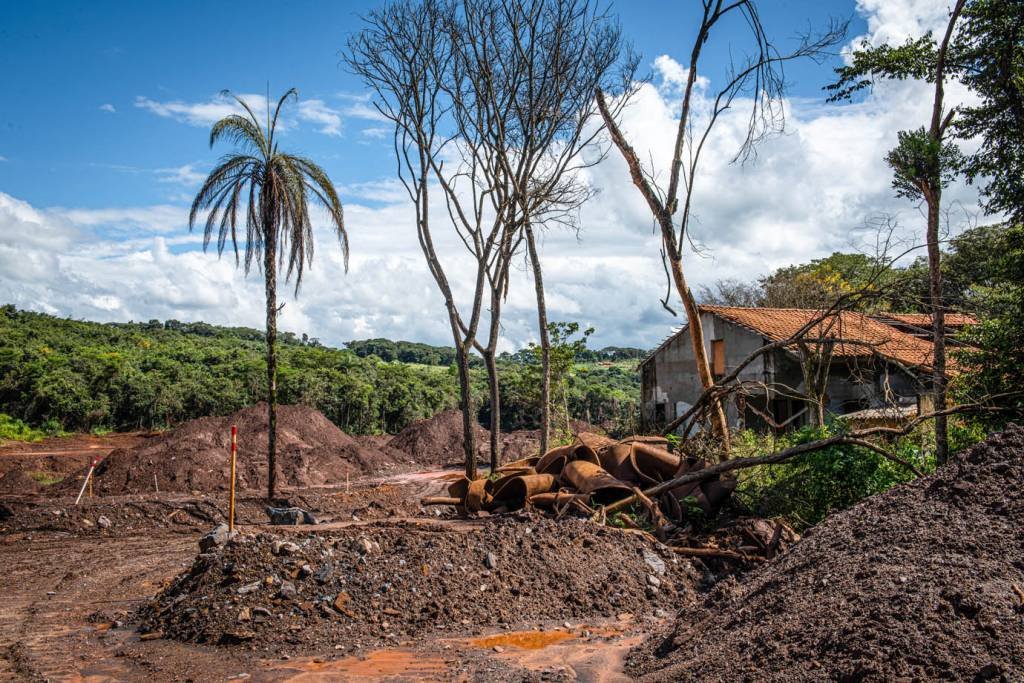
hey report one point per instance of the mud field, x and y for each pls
(923, 582)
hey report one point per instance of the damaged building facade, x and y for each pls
(848, 363)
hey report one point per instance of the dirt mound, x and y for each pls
(921, 582)
(439, 440)
(16, 482)
(364, 585)
(195, 456)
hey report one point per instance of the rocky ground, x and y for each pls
(374, 585)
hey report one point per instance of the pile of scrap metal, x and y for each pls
(590, 475)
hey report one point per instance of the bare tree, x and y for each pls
(760, 77)
(531, 69)
(492, 102)
(403, 54)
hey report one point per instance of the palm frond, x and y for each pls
(239, 130)
(276, 207)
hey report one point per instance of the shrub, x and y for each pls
(807, 488)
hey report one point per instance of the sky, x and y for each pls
(104, 141)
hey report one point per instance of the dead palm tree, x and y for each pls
(272, 189)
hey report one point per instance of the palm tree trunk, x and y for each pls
(270, 275)
(545, 342)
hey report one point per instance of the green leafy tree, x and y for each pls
(995, 354)
(272, 189)
(922, 162)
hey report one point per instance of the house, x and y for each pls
(850, 361)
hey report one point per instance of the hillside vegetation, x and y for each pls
(59, 374)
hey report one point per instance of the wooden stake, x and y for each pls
(231, 501)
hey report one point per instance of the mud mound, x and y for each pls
(364, 585)
(195, 456)
(922, 582)
(16, 482)
(439, 440)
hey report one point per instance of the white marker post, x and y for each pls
(88, 478)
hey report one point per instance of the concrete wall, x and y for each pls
(669, 380)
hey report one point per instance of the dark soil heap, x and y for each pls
(195, 456)
(364, 585)
(438, 440)
(19, 483)
(923, 582)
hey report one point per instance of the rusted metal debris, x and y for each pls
(589, 474)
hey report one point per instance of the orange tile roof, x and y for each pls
(925, 319)
(864, 335)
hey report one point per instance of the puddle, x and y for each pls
(375, 665)
(524, 640)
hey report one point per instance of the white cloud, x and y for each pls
(3, 158)
(185, 175)
(673, 75)
(376, 133)
(204, 114)
(895, 22)
(109, 108)
(200, 113)
(315, 111)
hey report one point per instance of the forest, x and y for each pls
(67, 375)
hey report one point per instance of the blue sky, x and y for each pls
(63, 61)
(103, 141)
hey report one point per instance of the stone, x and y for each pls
(363, 545)
(653, 580)
(304, 571)
(490, 561)
(249, 588)
(289, 516)
(244, 614)
(656, 564)
(284, 548)
(287, 590)
(323, 575)
(103, 522)
(215, 538)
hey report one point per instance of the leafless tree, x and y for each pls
(492, 106)
(530, 70)
(760, 84)
(403, 53)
